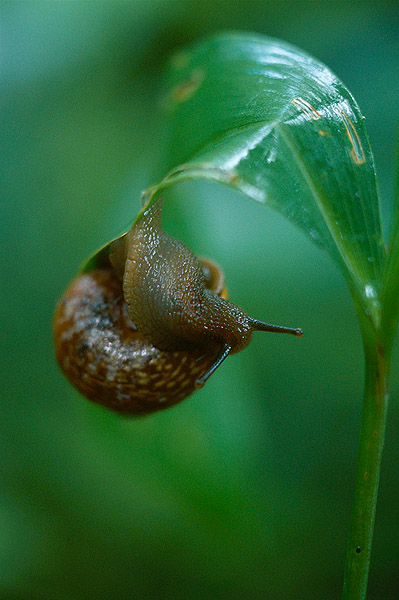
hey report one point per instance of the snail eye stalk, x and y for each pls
(261, 326)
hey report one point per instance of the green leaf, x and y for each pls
(265, 118)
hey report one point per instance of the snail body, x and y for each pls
(165, 292)
(148, 322)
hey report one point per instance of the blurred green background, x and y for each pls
(245, 489)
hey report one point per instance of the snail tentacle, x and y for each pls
(225, 351)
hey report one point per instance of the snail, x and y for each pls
(146, 322)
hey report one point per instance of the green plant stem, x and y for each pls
(371, 444)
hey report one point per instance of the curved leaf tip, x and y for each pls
(264, 117)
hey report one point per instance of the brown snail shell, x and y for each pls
(109, 361)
